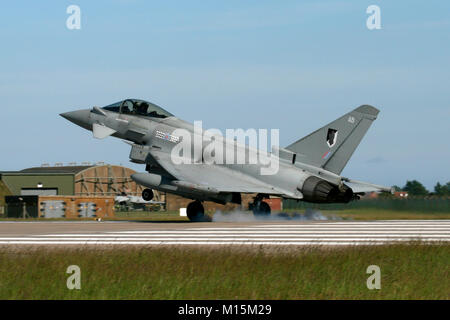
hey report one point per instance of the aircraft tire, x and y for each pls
(261, 209)
(147, 194)
(195, 211)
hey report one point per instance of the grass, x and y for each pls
(119, 216)
(377, 214)
(412, 204)
(382, 214)
(408, 271)
(149, 216)
(346, 214)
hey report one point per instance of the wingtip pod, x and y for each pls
(368, 109)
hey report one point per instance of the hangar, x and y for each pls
(84, 180)
(4, 191)
(81, 181)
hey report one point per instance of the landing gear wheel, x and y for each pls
(261, 209)
(195, 211)
(147, 194)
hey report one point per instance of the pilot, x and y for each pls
(154, 114)
(142, 108)
(128, 107)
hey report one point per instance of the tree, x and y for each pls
(396, 188)
(415, 188)
(442, 190)
(438, 189)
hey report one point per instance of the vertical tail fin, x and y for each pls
(331, 146)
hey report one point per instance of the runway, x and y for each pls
(330, 233)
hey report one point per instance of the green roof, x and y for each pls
(62, 169)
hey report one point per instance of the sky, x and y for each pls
(287, 65)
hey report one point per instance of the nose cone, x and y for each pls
(79, 117)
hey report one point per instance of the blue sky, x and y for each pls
(292, 65)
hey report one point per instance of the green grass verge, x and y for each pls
(412, 204)
(346, 214)
(408, 271)
(119, 216)
(349, 214)
(149, 216)
(380, 214)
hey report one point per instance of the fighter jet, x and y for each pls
(307, 170)
(133, 202)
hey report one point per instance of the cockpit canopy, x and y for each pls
(138, 107)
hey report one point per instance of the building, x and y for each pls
(101, 180)
(39, 206)
(87, 180)
(4, 191)
(401, 194)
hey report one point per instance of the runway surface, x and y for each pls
(230, 233)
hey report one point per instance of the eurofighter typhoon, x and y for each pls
(182, 159)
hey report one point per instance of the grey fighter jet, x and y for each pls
(307, 170)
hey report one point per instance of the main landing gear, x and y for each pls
(195, 211)
(259, 207)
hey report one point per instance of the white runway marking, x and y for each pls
(310, 233)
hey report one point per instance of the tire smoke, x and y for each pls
(246, 216)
